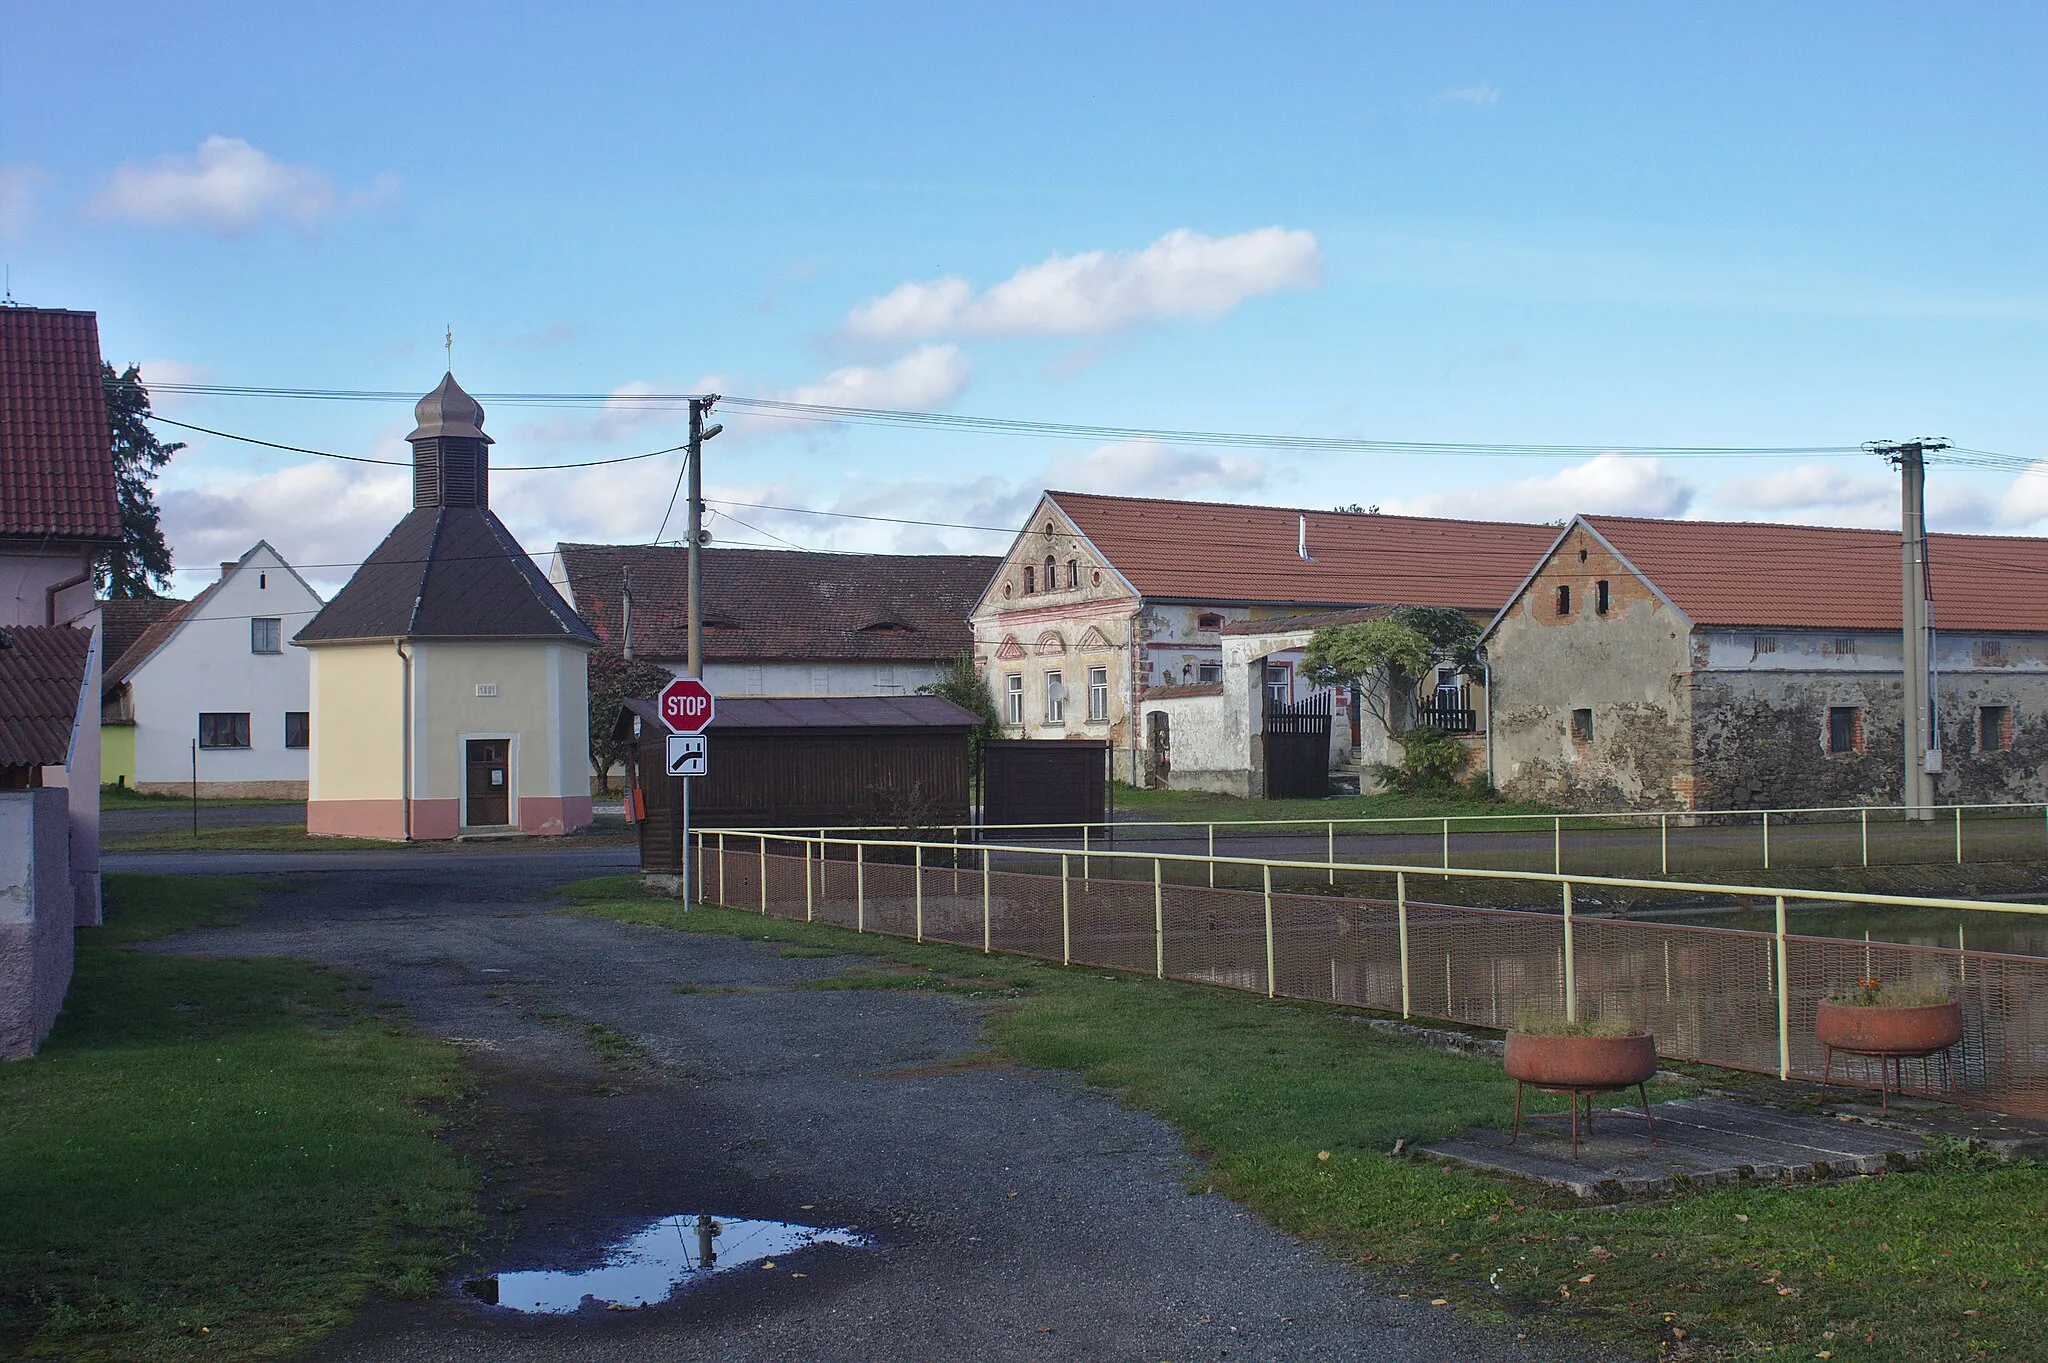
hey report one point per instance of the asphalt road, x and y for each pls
(175, 818)
(1015, 1214)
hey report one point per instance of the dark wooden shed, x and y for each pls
(1034, 781)
(804, 762)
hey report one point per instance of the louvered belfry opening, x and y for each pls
(451, 464)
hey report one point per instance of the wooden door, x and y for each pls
(489, 782)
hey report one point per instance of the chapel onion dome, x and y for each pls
(449, 412)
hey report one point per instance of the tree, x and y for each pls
(1380, 656)
(962, 684)
(142, 562)
(614, 680)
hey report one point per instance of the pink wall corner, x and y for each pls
(552, 816)
(436, 820)
(356, 819)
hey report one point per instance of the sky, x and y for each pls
(1597, 226)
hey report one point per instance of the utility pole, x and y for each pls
(626, 613)
(699, 433)
(1922, 761)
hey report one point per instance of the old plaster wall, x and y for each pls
(37, 916)
(1203, 752)
(1629, 666)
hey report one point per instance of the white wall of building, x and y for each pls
(816, 679)
(209, 665)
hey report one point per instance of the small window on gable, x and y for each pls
(1994, 728)
(1209, 620)
(1582, 726)
(1073, 573)
(266, 635)
(1564, 600)
(1052, 574)
(1845, 730)
(1600, 597)
(1030, 576)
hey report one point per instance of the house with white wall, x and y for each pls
(209, 693)
(783, 622)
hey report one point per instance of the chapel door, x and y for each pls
(489, 782)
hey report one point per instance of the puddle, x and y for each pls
(657, 1261)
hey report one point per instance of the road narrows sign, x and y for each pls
(688, 755)
(687, 706)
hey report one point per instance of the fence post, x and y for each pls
(1158, 918)
(764, 875)
(1962, 961)
(1447, 846)
(1663, 844)
(1401, 911)
(984, 903)
(1332, 851)
(810, 906)
(860, 887)
(1865, 812)
(917, 875)
(1784, 1000)
(1959, 835)
(1084, 851)
(721, 867)
(1571, 982)
(1557, 846)
(1212, 856)
(1767, 840)
(1066, 917)
(1268, 868)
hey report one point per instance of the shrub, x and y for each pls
(1922, 992)
(1537, 1023)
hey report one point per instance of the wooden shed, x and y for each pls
(804, 762)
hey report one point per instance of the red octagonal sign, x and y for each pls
(687, 705)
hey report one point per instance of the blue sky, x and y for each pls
(1586, 225)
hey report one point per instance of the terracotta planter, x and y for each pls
(1889, 1031)
(1581, 1062)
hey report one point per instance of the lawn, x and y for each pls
(216, 1158)
(127, 797)
(1293, 1110)
(1199, 806)
(295, 838)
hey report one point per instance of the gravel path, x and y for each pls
(1015, 1214)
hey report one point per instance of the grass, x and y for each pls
(279, 838)
(215, 1158)
(127, 797)
(1198, 805)
(1293, 1109)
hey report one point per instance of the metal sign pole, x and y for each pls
(686, 844)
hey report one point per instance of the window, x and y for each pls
(1210, 620)
(224, 731)
(1209, 672)
(1994, 728)
(1098, 695)
(1582, 726)
(1073, 573)
(1279, 684)
(266, 635)
(821, 681)
(1030, 577)
(1600, 597)
(1013, 699)
(298, 729)
(1055, 699)
(1052, 574)
(886, 683)
(1845, 729)
(1564, 600)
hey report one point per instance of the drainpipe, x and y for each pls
(405, 735)
(1486, 680)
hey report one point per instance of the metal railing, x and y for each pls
(1724, 996)
(1717, 840)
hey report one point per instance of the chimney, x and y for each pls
(1301, 545)
(227, 566)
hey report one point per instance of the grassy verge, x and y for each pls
(295, 838)
(1201, 805)
(126, 797)
(215, 1158)
(1293, 1109)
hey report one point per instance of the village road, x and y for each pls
(1013, 1214)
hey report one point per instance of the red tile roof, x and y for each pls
(764, 605)
(1203, 551)
(124, 620)
(1807, 577)
(56, 458)
(42, 668)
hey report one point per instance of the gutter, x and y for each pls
(405, 735)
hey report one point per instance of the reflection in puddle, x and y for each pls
(656, 1261)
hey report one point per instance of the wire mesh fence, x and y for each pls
(1735, 997)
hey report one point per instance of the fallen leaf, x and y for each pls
(1323, 1155)
(1588, 1278)
(1739, 1216)
(1439, 1301)
(799, 1275)
(1785, 1291)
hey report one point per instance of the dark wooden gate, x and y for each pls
(1298, 748)
(1044, 781)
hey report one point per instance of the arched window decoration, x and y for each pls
(1009, 650)
(1095, 641)
(1051, 645)
(1210, 620)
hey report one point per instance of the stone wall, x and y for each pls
(37, 913)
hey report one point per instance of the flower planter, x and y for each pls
(1581, 1066)
(1891, 1034)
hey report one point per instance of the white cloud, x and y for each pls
(930, 376)
(1483, 95)
(20, 186)
(1183, 274)
(1819, 494)
(227, 186)
(1611, 484)
(1148, 468)
(323, 517)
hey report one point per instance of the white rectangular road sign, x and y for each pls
(687, 755)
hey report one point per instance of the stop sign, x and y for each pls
(687, 705)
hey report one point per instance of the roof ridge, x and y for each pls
(1057, 493)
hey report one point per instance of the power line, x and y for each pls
(407, 463)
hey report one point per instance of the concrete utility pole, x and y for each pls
(626, 612)
(1922, 740)
(699, 433)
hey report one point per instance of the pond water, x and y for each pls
(658, 1260)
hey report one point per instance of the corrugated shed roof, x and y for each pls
(778, 604)
(41, 672)
(1807, 577)
(56, 457)
(817, 712)
(1203, 551)
(447, 573)
(123, 620)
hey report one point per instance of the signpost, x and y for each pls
(687, 706)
